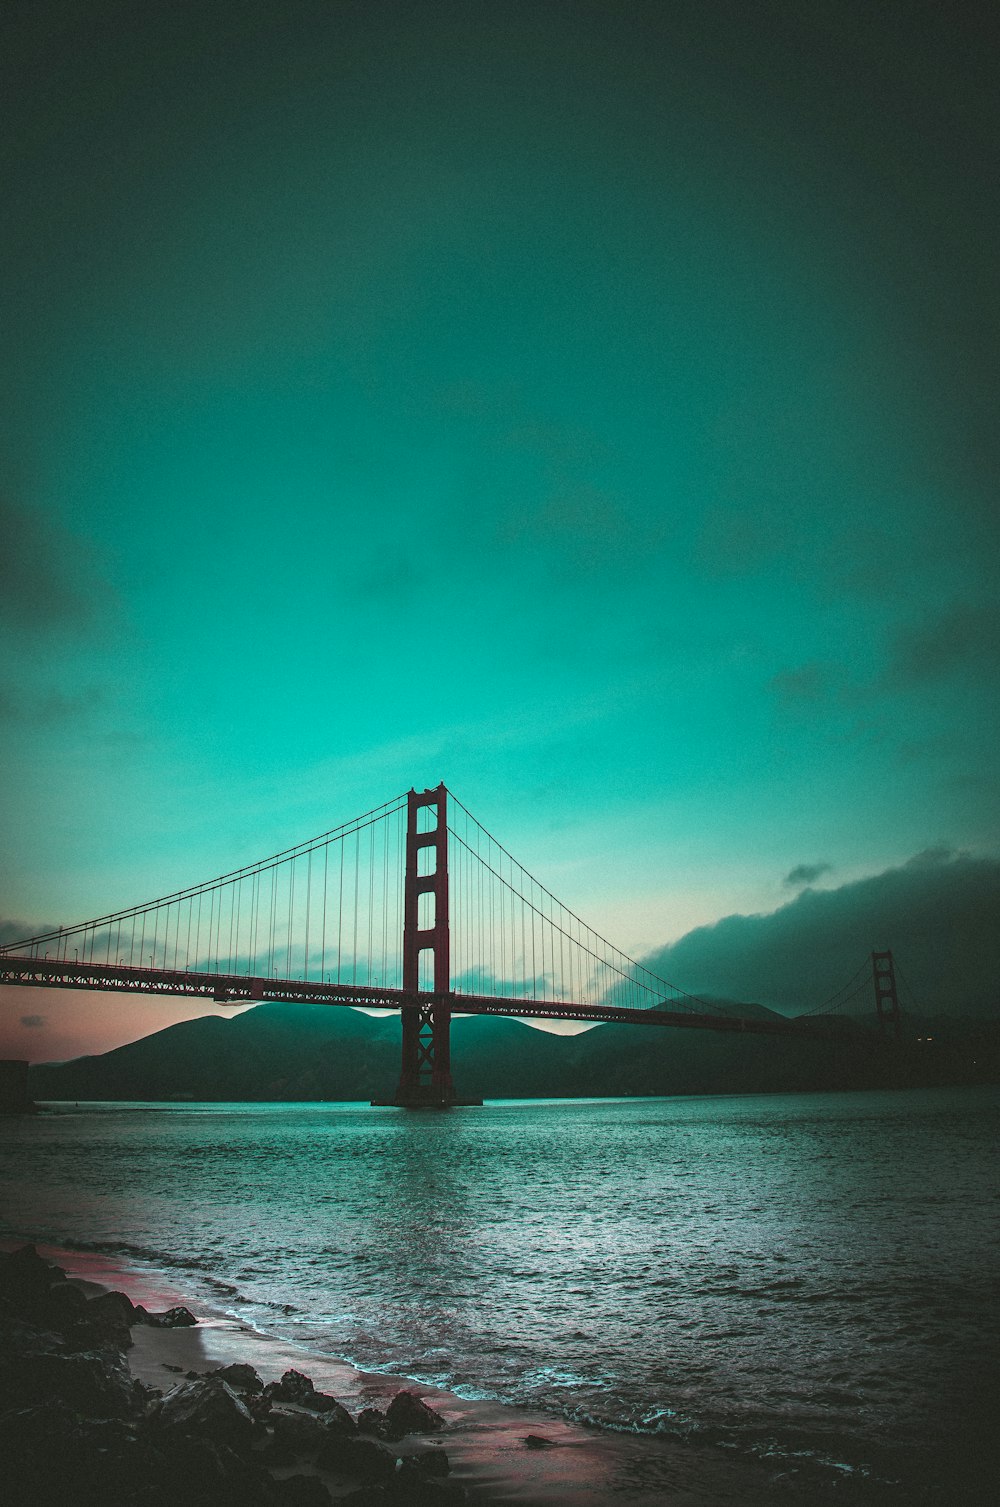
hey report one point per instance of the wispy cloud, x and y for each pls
(805, 873)
(33, 1022)
(963, 640)
(16, 931)
(48, 577)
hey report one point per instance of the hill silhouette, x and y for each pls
(279, 1052)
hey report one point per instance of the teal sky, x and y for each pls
(590, 405)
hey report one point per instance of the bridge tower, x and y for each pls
(425, 1078)
(886, 998)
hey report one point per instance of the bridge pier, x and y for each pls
(425, 1080)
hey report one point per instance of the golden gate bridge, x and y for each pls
(413, 906)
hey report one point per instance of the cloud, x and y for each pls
(939, 913)
(17, 931)
(805, 873)
(41, 570)
(33, 1022)
(932, 858)
(964, 640)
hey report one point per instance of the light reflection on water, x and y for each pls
(804, 1277)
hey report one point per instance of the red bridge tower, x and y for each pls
(425, 1079)
(886, 998)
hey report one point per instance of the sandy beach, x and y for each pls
(486, 1442)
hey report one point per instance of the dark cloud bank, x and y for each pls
(939, 913)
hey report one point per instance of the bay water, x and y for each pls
(806, 1281)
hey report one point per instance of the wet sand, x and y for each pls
(485, 1441)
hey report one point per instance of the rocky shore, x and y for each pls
(73, 1418)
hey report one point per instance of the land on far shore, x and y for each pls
(282, 1052)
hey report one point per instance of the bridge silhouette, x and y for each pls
(415, 907)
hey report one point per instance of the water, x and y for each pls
(808, 1280)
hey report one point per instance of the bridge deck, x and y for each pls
(237, 989)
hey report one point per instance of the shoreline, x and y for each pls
(484, 1440)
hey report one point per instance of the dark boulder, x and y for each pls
(174, 1318)
(301, 1491)
(38, 1293)
(362, 1459)
(87, 1383)
(241, 1377)
(537, 1441)
(106, 1460)
(297, 1389)
(412, 1486)
(301, 1432)
(431, 1462)
(63, 1305)
(409, 1414)
(107, 1319)
(205, 1471)
(335, 1416)
(19, 1334)
(257, 1405)
(373, 1421)
(293, 1387)
(205, 1409)
(276, 1456)
(24, 1274)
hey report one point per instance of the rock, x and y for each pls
(19, 1342)
(373, 1421)
(409, 1414)
(113, 1302)
(109, 1318)
(413, 1487)
(297, 1389)
(64, 1304)
(537, 1441)
(293, 1387)
(37, 1293)
(204, 1471)
(276, 1455)
(26, 1274)
(365, 1496)
(174, 1318)
(258, 1406)
(241, 1377)
(335, 1416)
(106, 1460)
(361, 1458)
(430, 1462)
(205, 1409)
(301, 1491)
(301, 1432)
(86, 1383)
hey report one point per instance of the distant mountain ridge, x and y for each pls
(279, 1052)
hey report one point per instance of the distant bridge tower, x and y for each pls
(886, 998)
(425, 1079)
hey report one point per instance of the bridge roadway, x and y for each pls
(238, 989)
